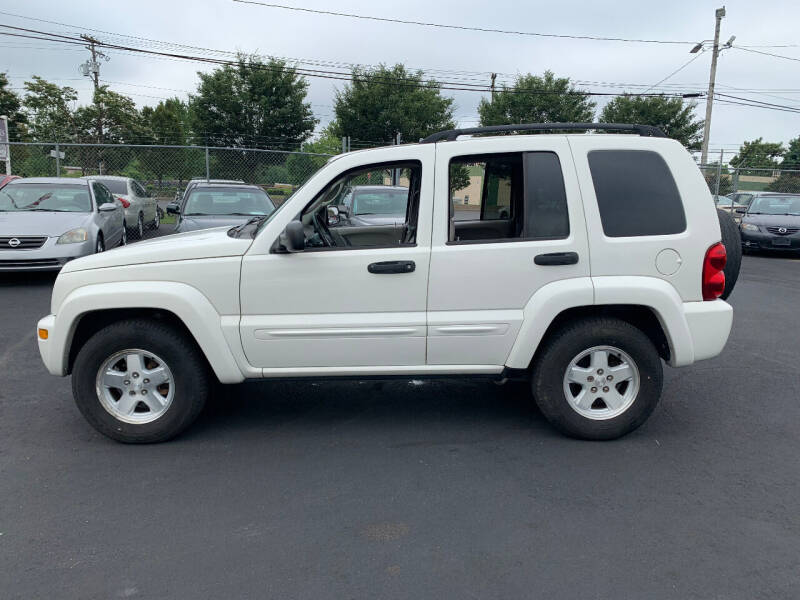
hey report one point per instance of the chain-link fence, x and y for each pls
(164, 171)
(725, 181)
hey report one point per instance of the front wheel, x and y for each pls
(597, 379)
(140, 381)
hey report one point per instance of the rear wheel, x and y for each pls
(124, 240)
(140, 381)
(140, 227)
(157, 220)
(597, 379)
(732, 241)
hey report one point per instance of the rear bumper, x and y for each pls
(709, 325)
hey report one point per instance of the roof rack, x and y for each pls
(452, 134)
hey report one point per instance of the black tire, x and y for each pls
(139, 232)
(732, 241)
(190, 373)
(564, 345)
(100, 244)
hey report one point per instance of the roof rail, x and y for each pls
(452, 134)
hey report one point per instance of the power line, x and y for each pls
(462, 27)
(676, 71)
(767, 53)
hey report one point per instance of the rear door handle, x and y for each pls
(392, 266)
(556, 258)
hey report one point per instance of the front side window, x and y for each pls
(45, 197)
(204, 201)
(636, 193)
(374, 206)
(500, 197)
(101, 194)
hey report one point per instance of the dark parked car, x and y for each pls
(772, 222)
(216, 205)
(181, 194)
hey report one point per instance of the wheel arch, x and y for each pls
(90, 308)
(651, 304)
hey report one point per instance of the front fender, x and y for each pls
(186, 302)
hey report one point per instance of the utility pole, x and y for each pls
(719, 15)
(91, 68)
(494, 76)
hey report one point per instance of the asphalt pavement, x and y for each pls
(410, 489)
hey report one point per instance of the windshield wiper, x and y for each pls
(46, 210)
(252, 221)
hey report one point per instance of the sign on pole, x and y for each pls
(56, 154)
(5, 151)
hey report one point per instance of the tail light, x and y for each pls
(713, 275)
(125, 203)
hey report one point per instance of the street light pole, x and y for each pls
(719, 14)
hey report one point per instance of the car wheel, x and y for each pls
(597, 379)
(732, 240)
(124, 240)
(99, 245)
(140, 227)
(140, 381)
(157, 220)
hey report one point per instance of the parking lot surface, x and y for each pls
(408, 489)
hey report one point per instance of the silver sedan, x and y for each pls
(47, 221)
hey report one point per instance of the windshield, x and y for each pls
(117, 186)
(52, 197)
(228, 201)
(389, 201)
(776, 205)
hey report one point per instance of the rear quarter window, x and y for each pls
(636, 193)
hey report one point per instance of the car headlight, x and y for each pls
(74, 236)
(749, 227)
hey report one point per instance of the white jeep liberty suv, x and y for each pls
(579, 262)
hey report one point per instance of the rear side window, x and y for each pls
(636, 193)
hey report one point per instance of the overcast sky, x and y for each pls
(226, 25)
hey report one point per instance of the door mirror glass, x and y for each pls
(333, 215)
(107, 207)
(293, 238)
(172, 208)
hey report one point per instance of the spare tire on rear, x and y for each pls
(733, 247)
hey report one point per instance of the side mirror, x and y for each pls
(740, 211)
(173, 208)
(293, 237)
(107, 207)
(333, 215)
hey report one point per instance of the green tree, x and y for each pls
(10, 105)
(110, 118)
(300, 167)
(252, 103)
(50, 110)
(459, 177)
(534, 99)
(791, 159)
(169, 124)
(788, 182)
(673, 116)
(758, 154)
(384, 101)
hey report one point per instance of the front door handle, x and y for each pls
(392, 266)
(556, 258)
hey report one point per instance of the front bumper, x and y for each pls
(763, 240)
(50, 348)
(50, 257)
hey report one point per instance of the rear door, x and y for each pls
(508, 220)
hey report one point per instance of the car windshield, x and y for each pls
(228, 201)
(389, 201)
(50, 197)
(776, 205)
(117, 186)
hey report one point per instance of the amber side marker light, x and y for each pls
(43, 334)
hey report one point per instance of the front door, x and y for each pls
(509, 222)
(356, 296)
